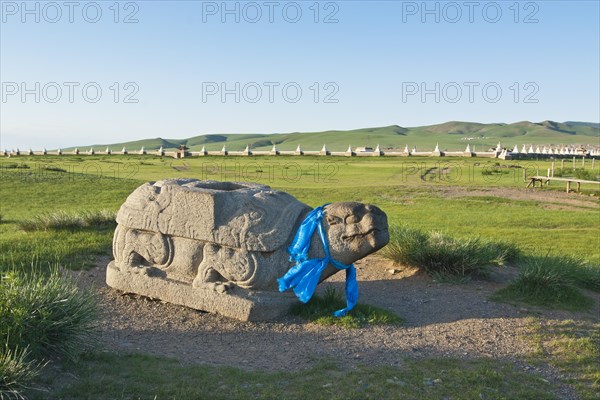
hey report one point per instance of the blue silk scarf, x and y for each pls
(304, 276)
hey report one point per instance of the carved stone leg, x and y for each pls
(143, 251)
(208, 276)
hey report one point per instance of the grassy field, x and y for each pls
(463, 197)
(451, 195)
(111, 376)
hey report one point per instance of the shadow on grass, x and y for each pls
(320, 309)
(110, 376)
(572, 347)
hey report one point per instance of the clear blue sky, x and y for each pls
(373, 61)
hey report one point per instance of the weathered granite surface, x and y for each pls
(220, 246)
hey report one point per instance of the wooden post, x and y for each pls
(552, 169)
(562, 166)
(568, 186)
(574, 164)
(548, 173)
(578, 186)
(583, 161)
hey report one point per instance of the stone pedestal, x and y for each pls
(236, 303)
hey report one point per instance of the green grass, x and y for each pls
(94, 183)
(578, 173)
(320, 308)
(110, 376)
(17, 372)
(45, 313)
(15, 166)
(439, 254)
(574, 348)
(393, 184)
(552, 281)
(62, 220)
(35, 201)
(43, 316)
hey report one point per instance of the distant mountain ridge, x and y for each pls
(579, 123)
(449, 135)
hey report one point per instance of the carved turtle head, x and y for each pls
(354, 230)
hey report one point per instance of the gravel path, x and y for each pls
(441, 320)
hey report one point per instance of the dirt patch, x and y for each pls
(548, 198)
(442, 320)
(552, 206)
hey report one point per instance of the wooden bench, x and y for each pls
(545, 180)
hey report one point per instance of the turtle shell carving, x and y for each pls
(239, 215)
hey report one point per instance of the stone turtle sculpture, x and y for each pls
(220, 246)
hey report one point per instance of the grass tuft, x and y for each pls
(15, 166)
(439, 254)
(320, 308)
(551, 281)
(45, 313)
(61, 220)
(578, 173)
(17, 371)
(583, 274)
(53, 168)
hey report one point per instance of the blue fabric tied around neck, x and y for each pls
(304, 276)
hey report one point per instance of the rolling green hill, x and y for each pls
(453, 135)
